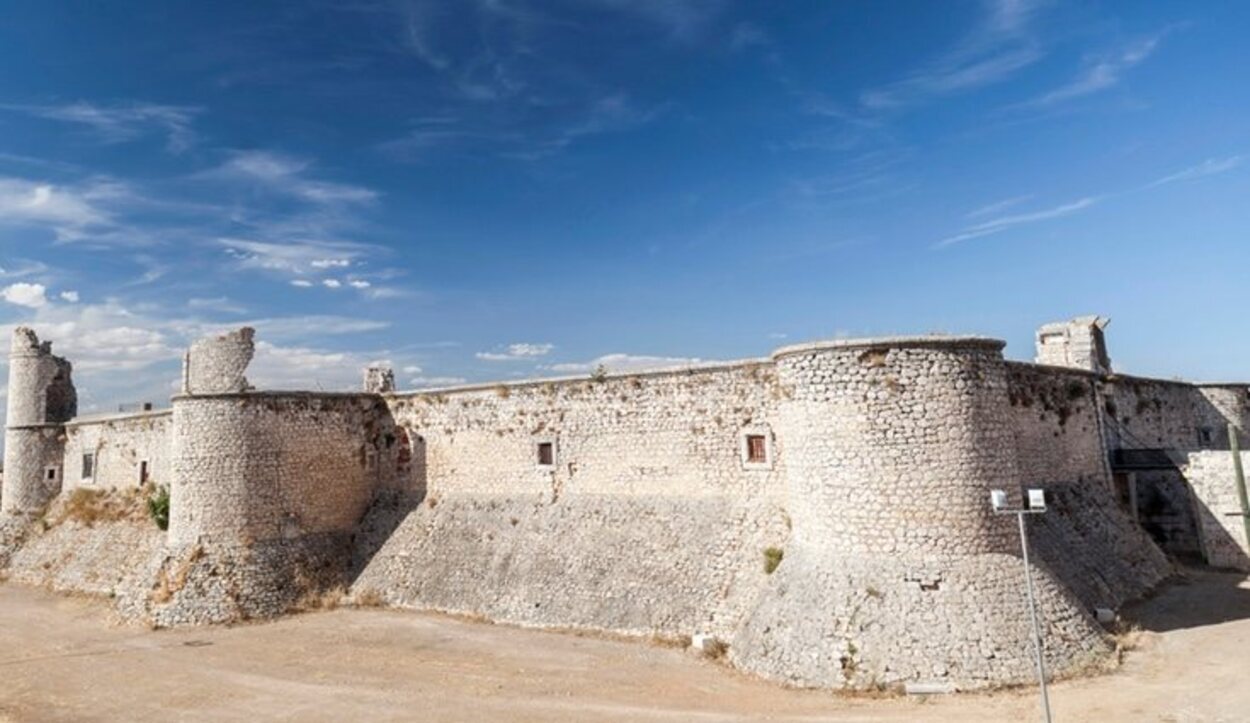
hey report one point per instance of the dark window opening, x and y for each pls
(1206, 436)
(143, 472)
(88, 465)
(757, 448)
(52, 473)
(546, 453)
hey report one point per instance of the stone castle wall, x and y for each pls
(1091, 543)
(41, 397)
(1221, 531)
(648, 519)
(1153, 413)
(634, 503)
(119, 445)
(897, 564)
(264, 466)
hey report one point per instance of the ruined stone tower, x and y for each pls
(41, 399)
(1078, 343)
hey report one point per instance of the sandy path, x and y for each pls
(60, 659)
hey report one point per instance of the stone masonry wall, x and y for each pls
(897, 570)
(1086, 539)
(633, 504)
(120, 445)
(1153, 413)
(1218, 507)
(647, 521)
(215, 365)
(41, 396)
(269, 465)
(32, 468)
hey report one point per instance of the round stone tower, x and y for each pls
(41, 400)
(896, 569)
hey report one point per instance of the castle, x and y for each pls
(823, 512)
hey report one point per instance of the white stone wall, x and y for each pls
(216, 365)
(121, 444)
(1217, 505)
(649, 519)
(647, 522)
(1173, 415)
(28, 455)
(262, 466)
(1078, 344)
(897, 570)
(1087, 539)
(41, 395)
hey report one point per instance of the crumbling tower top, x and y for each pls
(41, 390)
(1078, 343)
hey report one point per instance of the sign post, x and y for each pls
(1036, 506)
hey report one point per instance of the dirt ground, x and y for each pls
(61, 659)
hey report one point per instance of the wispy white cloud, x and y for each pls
(998, 206)
(748, 35)
(120, 123)
(1004, 223)
(995, 50)
(68, 209)
(1209, 167)
(426, 382)
(286, 175)
(70, 296)
(602, 114)
(517, 352)
(220, 304)
(90, 212)
(419, 32)
(1102, 73)
(310, 326)
(684, 20)
(297, 258)
(623, 363)
(302, 367)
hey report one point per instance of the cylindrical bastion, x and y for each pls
(896, 569)
(260, 466)
(40, 399)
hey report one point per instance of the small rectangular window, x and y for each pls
(143, 472)
(52, 474)
(88, 465)
(546, 453)
(757, 448)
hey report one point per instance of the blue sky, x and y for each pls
(493, 189)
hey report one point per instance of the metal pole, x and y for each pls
(1037, 626)
(1241, 480)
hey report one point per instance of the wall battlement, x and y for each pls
(649, 503)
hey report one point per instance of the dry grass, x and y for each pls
(663, 640)
(716, 649)
(1128, 638)
(313, 600)
(89, 507)
(369, 598)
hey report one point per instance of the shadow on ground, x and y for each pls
(1198, 597)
